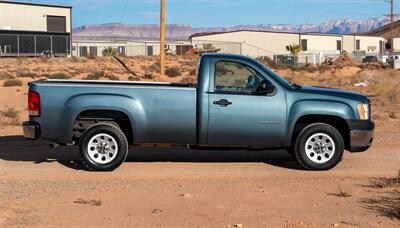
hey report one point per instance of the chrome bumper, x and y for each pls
(31, 130)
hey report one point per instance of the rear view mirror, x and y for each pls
(266, 87)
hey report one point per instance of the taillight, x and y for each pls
(34, 103)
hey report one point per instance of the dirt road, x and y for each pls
(177, 187)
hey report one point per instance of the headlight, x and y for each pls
(363, 111)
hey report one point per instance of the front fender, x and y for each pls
(317, 107)
(130, 106)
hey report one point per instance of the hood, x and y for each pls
(333, 92)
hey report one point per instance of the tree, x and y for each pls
(208, 46)
(294, 49)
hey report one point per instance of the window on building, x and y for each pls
(83, 51)
(304, 45)
(121, 50)
(339, 45)
(56, 24)
(93, 51)
(358, 46)
(235, 77)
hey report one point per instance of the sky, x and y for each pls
(213, 13)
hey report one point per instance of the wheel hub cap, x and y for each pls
(320, 148)
(102, 148)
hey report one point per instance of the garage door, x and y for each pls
(56, 24)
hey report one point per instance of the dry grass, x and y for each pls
(58, 76)
(12, 82)
(89, 202)
(341, 192)
(10, 117)
(389, 204)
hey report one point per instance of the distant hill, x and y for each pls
(118, 31)
(385, 31)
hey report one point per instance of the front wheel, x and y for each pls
(103, 147)
(319, 147)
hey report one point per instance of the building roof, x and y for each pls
(262, 31)
(35, 4)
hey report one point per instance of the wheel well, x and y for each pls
(87, 118)
(335, 121)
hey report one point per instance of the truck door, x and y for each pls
(238, 116)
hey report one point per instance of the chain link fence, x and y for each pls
(19, 45)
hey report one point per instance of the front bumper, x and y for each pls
(31, 130)
(361, 134)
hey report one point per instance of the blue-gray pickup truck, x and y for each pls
(237, 103)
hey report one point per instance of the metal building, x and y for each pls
(28, 29)
(316, 47)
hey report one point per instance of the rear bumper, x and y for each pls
(361, 134)
(31, 130)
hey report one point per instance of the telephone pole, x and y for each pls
(391, 15)
(162, 37)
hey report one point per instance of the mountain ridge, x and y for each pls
(120, 31)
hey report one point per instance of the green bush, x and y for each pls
(108, 51)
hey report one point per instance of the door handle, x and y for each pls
(222, 102)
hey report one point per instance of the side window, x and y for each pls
(235, 77)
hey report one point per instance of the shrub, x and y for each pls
(10, 112)
(91, 56)
(173, 72)
(311, 68)
(26, 74)
(188, 79)
(58, 76)
(149, 76)
(12, 82)
(96, 76)
(112, 77)
(108, 51)
(208, 46)
(192, 72)
(133, 78)
(154, 67)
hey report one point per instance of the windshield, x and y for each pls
(275, 76)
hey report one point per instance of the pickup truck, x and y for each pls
(237, 103)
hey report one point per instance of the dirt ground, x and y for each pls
(178, 187)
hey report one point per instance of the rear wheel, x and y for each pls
(103, 147)
(319, 147)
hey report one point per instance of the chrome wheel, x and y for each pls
(320, 148)
(102, 148)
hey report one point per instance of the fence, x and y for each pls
(17, 45)
(128, 48)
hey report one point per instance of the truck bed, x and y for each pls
(109, 82)
(160, 112)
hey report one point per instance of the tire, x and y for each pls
(103, 147)
(319, 146)
(290, 151)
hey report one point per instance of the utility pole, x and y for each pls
(391, 15)
(162, 37)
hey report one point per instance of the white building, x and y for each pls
(28, 29)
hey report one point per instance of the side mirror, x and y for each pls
(266, 87)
